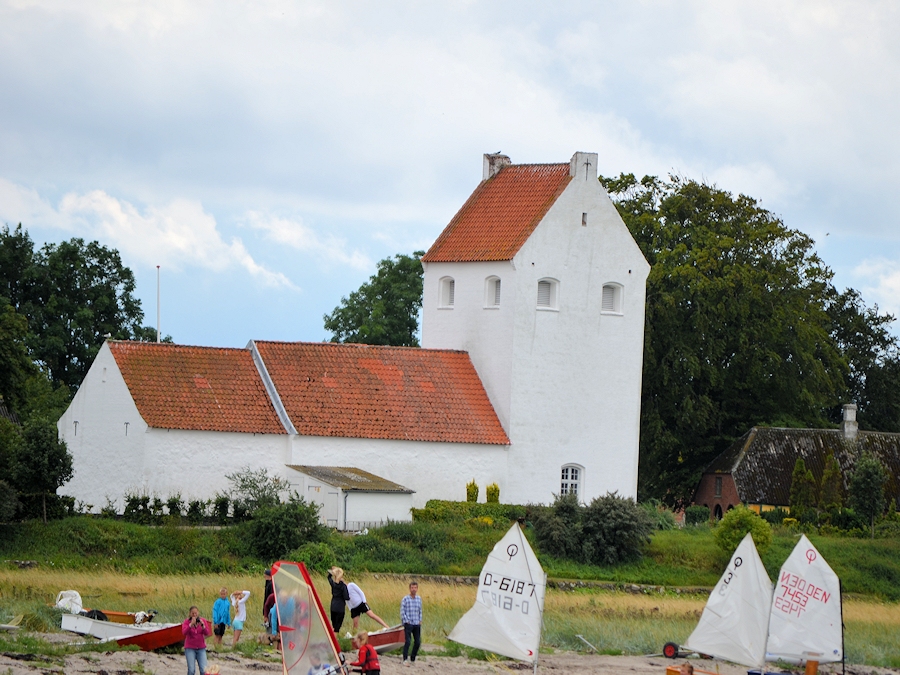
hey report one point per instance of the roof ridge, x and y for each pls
(170, 345)
(358, 345)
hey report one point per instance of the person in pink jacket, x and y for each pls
(195, 630)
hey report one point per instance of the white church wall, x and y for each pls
(485, 331)
(433, 470)
(576, 374)
(197, 462)
(105, 435)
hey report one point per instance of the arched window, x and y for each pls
(570, 479)
(492, 292)
(718, 512)
(548, 294)
(448, 291)
(611, 301)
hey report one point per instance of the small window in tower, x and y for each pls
(718, 486)
(492, 293)
(570, 481)
(448, 291)
(547, 294)
(611, 301)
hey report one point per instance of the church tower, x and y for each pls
(539, 280)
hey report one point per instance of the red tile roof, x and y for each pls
(501, 214)
(196, 388)
(363, 391)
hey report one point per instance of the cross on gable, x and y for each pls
(587, 163)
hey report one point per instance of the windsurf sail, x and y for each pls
(506, 616)
(308, 645)
(806, 612)
(734, 623)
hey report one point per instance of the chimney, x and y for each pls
(583, 166)
(848, 425)
(493, 163)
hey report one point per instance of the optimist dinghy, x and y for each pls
(506, 616)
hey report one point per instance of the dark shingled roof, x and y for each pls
(762, 460)
(351, 479)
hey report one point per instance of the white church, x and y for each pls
(529, 376)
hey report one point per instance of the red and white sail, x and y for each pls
(307, 643)
(805, 623)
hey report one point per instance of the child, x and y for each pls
(239, 600)
(687, 668)
(221, 616)
(368, 657)
(273, 626)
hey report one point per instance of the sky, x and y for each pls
(265, 155)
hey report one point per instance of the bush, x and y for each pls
(557, 528)
(196, 511)
(137, 509)
(472, 491)
(441, 511)
(887, 529)
(317, 556)
(847, 520)
(277, 530)
(736, 524)
(615, 530)
(696, 515)
(774, 516)
(256, 489)
(661, 517)
(220, 509)
(492, 493)
(175, 505)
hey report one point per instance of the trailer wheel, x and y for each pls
(670, 650)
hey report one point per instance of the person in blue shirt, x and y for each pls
(221, 616)
(411, 617)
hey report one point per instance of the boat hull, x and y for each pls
(155, 639)
(387, 639)
(146, 636)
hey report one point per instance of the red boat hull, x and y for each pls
(155, 639)
(387, 639)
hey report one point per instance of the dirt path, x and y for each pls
(126, 663)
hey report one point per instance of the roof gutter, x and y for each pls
(271, 390)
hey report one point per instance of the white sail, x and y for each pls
(734, 622)
(506, 617)
(806, 611)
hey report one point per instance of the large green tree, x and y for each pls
(873, 356)
(40, 462)
(867, 488)
(73, 295)
(385, 309)
(737, 332)
(15, 364)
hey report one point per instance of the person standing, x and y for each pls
(221, 616)
(266, 593)
(340, 596)
(239, 602)
(359, 607)
(411, 616)
(195, 630)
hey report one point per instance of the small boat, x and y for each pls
(147, 636)
(387, 639)
(509, 604)
(162, 636)
(134, 618)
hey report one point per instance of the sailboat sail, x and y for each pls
(806, 611)
(506, 616)
(307, 643)
(734, 622)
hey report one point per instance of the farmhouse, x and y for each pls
(529, 375)
(756, 470)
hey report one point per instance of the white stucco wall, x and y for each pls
(433, 470)
(565, 384)
(109, 461)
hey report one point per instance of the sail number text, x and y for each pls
(516, 587)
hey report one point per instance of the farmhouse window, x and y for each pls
(611, 301)
(448, 292)
(547, 295)
(492, 293)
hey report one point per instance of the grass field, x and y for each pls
(614, 622)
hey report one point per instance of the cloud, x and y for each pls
(295, 234)
(881, 279)
(178, 235)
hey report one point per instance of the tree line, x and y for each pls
(58, 303)
(744, 327)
